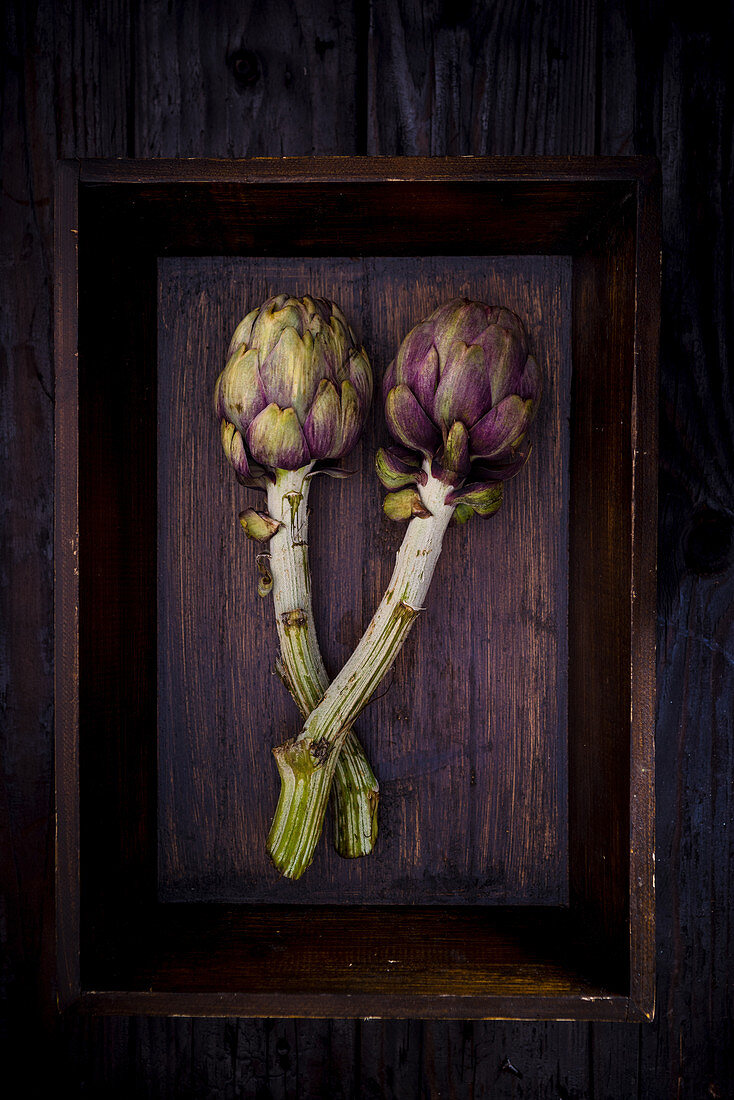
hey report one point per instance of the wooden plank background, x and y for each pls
(137, 78)
(470, 732)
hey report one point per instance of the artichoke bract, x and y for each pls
(296, 388)
(295, 393)
(459, 398)
(461, 393)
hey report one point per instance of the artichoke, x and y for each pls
(461, 393)
(296, 388)
(459, 398)
(295, 391)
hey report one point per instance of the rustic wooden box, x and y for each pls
(514, 875)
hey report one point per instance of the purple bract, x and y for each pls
(461, 393)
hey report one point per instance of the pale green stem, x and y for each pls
(355, 788)
(308, 763)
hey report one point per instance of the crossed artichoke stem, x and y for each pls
(309, 762)
(286, 567)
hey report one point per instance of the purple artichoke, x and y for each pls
(460, 395)
(296, 388)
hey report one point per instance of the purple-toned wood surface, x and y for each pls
(115, 79)
(468, 736)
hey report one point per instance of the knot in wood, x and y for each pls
(245, 66)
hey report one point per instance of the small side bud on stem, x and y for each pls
(265, 580)
(258, 526)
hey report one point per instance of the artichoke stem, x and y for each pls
(308, 764)
(355, 788)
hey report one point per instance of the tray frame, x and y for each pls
(128, 954)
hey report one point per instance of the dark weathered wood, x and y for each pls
(543, 1060)
(89, 1050)
(684, 111)
(484, 213)
(663, 86)
(252, 80)
(26, 663)
(644, 596)
(345, 1058)
(600, 547)
(463, 743)
(117, 560)
(327, 1006)
(66, 608)
(613, 1055)
(667, 90)
(390, 1058)
(482, 78)
(42, 118)
(423, 952)
(297, 170)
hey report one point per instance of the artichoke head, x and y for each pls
(460, 396)
(296, 388)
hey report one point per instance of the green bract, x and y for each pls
(296, 388)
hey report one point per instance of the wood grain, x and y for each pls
(42, 118)
(695, 733)
(66, 540)
(653, 78)
(600, 562)
(469, 739)
(255, 82)
(478, 78)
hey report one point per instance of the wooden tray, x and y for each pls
(513, 875)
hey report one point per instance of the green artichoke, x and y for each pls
(296, 388)
(296, 391)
